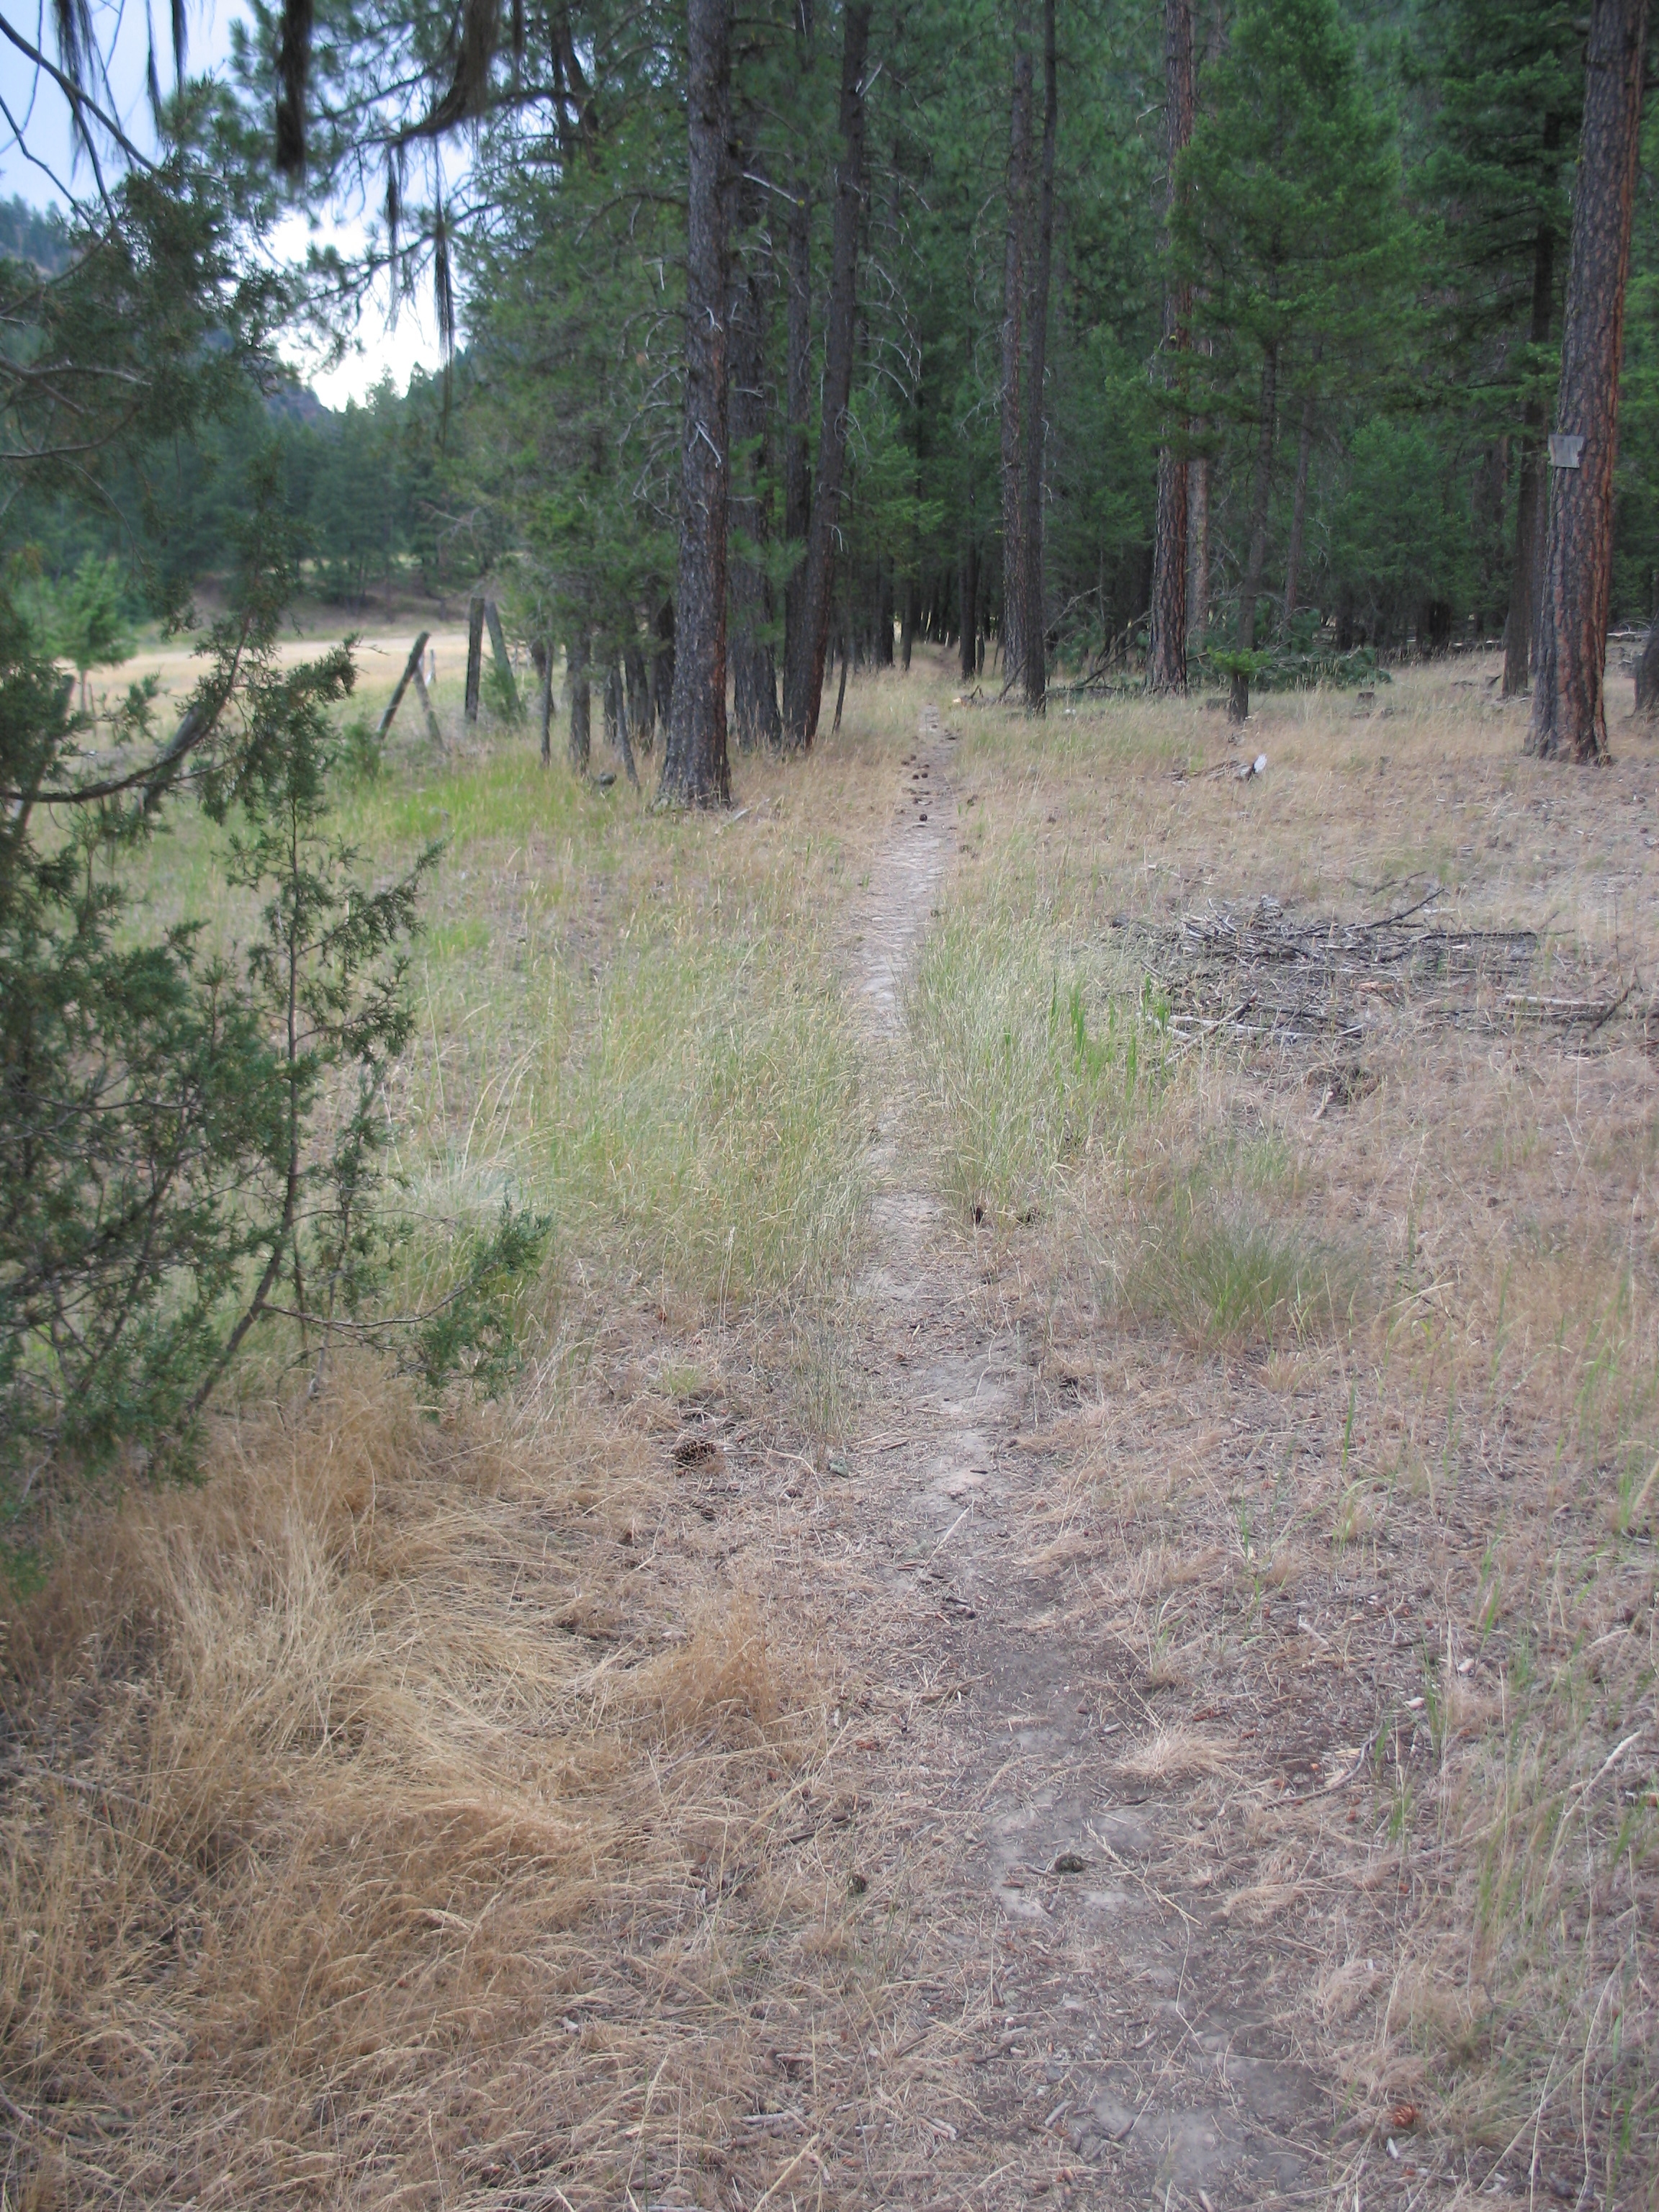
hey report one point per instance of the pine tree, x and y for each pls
(695, 771)
(1166, 646)
(809, 646)
(1289, 224)
(1508, 84)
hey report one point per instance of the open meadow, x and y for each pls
(1062, 1608)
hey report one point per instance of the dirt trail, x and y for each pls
(1098, 2027)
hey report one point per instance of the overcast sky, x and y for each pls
(41, 115)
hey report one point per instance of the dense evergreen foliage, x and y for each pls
(192, 1134)
(1379, 201)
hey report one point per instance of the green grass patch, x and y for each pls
(709, 1120)
(1218, 1268)
(1027, 1059)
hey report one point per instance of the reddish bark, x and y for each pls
(1569, 709)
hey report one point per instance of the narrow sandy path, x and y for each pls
(1090, 2023)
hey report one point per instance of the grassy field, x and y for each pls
(1392, 1241)
(400, 1816)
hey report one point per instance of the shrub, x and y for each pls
(190, 1142)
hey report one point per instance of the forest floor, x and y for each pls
(1066, 1608)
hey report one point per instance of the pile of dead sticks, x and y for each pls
(1265, 975)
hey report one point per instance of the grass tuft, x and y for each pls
(1220, 1271)
(1030, 1059)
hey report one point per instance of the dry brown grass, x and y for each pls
(424, 1812)
(452, 1813)
(505, 1810)
(1433, 1489)
(387, 1818)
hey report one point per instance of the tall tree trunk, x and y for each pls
(804, 674)
(969, 593)
(662, 664)
(616, 720)
(1013, 352)
(1298, 508)
(1034, 617)
(1166, 650)
(907, 622)
(1198, 547)
(1249, 592)
(695, 772)
(1520, 631)
(885, 612)
(796, 463)
(640, 712)
(754, 675)
(541, 652)
(1201, 471)
(1569, 710)
(797, 387)
(579, 740)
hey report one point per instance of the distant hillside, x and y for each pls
(37, 234)
(298, 403)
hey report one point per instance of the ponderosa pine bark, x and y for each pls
(695, 770)
(1569, 708)
(1013, 354)
(1166, 649)
(1531, 507)
(804, 673)
(1034, 620)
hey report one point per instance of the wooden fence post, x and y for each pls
(503, 662)
(425, 698)
(475, 622)
(411, 668)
